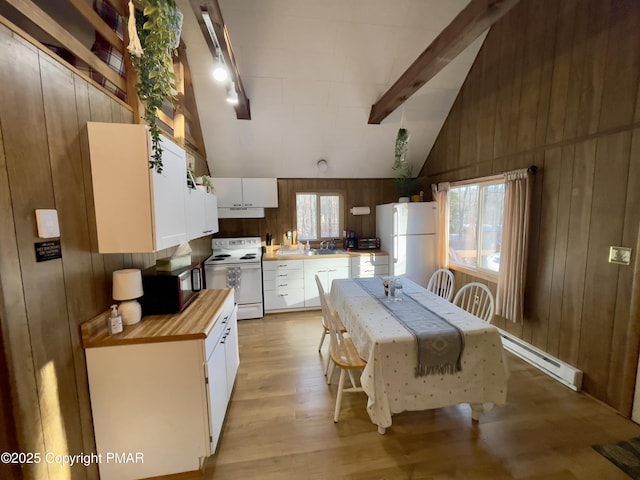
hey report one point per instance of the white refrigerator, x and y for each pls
(407, 231)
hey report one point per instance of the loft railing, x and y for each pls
(179, 120)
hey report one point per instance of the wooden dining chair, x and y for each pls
(325, 324)
(442, 283)
(343, 355)
(476, 298)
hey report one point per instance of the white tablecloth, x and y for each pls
(390, 350)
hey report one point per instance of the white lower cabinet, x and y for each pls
(232, 353)
(283, 283)
(163, 402)
(327, 269)
(220, 371)
(369, 265)
(291, 284)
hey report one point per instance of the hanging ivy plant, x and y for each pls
(158, 26)
(402, 140)
(406, 183)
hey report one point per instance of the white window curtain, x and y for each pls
(513, 250)
(441, 196)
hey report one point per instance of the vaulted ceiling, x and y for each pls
(312, 70)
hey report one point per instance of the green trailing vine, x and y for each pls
(158, 29)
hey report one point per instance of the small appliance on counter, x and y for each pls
(170, 292)
(350, 240)
(369, 243)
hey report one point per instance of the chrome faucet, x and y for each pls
(322, 244)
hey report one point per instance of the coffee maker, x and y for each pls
(350, 240)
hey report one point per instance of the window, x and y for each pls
(319, 215)
(475, 225)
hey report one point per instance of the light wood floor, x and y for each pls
(280, 425)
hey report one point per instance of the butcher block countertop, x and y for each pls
(195, 322)
(296, 256)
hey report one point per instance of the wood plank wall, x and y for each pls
(44, 107)
(277, 221)
(556, 85)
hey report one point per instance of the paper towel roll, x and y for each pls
(360, 211)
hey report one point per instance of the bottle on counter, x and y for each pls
(307, 246)
(114, 322)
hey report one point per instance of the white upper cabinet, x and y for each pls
(260, 192)
(201, 212)
(168, 196)
(246, 192)
(229, 191)
(137, 210)
(195, 212)
(211, 214)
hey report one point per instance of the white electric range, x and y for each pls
(237, 263)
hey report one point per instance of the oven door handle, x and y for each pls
(249, 266)
(244, 266)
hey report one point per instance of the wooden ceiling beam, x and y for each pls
(474, 19)
(243, 112)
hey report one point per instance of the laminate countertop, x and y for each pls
(267, 257)
(195, 322)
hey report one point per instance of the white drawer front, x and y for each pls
(325, 263)
(281, 265)
(369, 260)
(219, 327)
(283, 299)
(283, 284)
(370, 271)
(282, 275)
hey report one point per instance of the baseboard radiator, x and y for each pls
(562, 372)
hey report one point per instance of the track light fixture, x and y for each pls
(232, 94)
(220, 70)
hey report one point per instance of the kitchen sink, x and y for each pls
(323, 251)
(313, 251)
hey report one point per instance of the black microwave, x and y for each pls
(169, 292)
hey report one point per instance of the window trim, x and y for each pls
(320, 191)
(476, 271)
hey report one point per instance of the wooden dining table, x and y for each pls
(390, 379)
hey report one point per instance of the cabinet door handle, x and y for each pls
(285, 265)
(283, 285)
(248, 204)
(284, 294)
(284, 275)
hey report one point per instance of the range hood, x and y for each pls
(241, 212)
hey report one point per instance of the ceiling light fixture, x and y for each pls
(232, 95)
(323, 165)
(220, 69)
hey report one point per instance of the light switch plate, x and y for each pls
(47, 222)
(191, 162)
(620, 255)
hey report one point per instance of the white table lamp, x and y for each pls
(127, 287)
